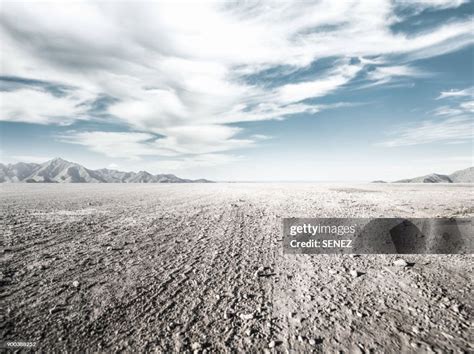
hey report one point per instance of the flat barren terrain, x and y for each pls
(200, 267)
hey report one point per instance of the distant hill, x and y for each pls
(61, 171)
(461, 176)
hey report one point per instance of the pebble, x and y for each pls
(355, 273)
(246, 317)
(400, 263)
(196, 346)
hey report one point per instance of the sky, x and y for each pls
(240, 90)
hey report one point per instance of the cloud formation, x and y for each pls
(178, 73)
(447, 130)
(456, 124)
(461, 102)
(454, 93)
(41, 107)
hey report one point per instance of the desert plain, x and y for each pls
(200, 268)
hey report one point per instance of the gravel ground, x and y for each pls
(200, 267)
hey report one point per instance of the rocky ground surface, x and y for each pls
(200, 268)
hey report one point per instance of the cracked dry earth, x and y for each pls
(200, 268)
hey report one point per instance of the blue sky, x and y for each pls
(265, 91)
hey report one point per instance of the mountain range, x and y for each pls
(61, 171)
(461, 176)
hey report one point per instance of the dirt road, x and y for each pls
(200, 267)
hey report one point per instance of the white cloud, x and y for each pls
(468, 92)
(114, 144)
(40, 107)
(467, 106)
(384, 74)
(260, 137)
(461, 102)
(455, 124)
(291, 93)
(448, 130)
(188, 140)
(201, 139)
(177, 69)
(447, 111)
(435, 4)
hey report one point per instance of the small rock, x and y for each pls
(196, 346)
(400, 263)
(354, 273)
(246, 317)
(272, 344)
(314, 342)
(75, 284)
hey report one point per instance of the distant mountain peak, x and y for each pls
(58, 170)
(57, 160)
(461, 176)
